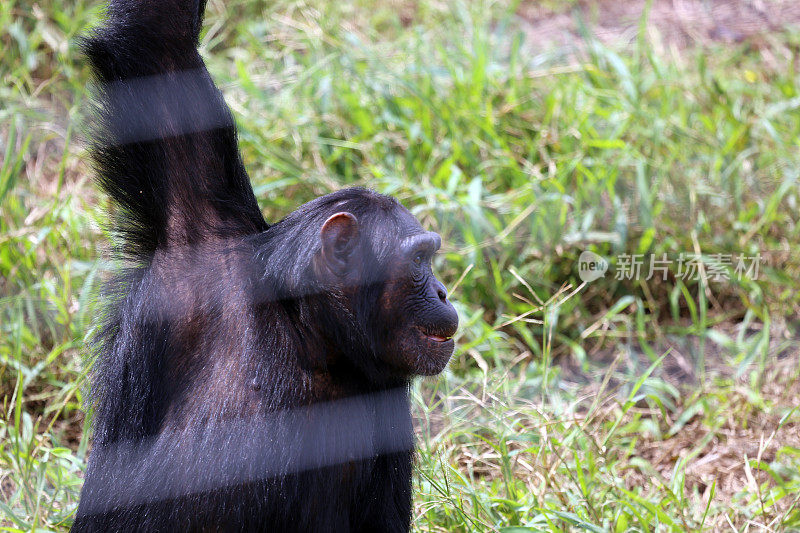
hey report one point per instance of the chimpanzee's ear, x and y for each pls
(339, 237)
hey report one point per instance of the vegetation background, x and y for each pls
(525, 132)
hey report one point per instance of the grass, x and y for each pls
(648, 405)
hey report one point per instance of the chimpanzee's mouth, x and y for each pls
(434, 336)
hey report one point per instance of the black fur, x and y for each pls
(235, 387)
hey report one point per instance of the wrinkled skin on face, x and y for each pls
(417, 321)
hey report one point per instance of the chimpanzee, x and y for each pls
(247, 376)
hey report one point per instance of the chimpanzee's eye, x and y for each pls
(418, 259)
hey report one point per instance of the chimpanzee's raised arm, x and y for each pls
(164, 142)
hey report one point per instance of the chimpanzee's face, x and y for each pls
(419, 320)
(413, 320)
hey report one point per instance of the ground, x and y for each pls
(672, 25)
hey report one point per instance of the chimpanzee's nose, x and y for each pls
(441, 292)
